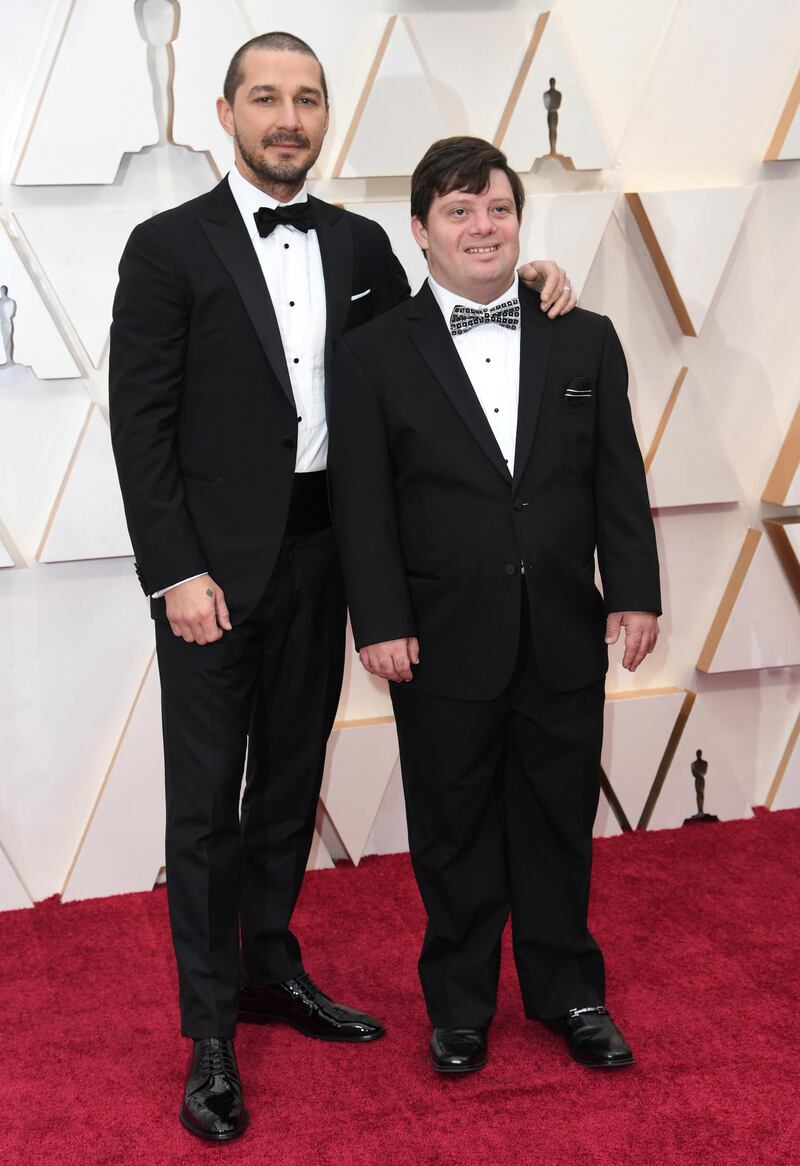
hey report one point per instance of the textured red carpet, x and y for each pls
(702, 938)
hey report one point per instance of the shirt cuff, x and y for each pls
(164, 590)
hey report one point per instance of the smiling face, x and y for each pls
(471, 241)
(278, 119)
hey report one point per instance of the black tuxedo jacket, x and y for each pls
(203, 422)
(434, 532)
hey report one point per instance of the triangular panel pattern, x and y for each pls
(122, 848)
(360, 760)
(6, 559)
(786, 139)
(208, 35)
(783, 487)
(13, 895)
(637, 729)
(523, 131)
(40, 423)
(686, 464)
(88, 520)
(677, 227)
(319, 857)
(59, 151)
(757, 624)
(37, 342)
(785, 791)
(605, 822)
(397, 117)
(472, 84)
(389, 833)
(85, 289)
(569, 226)
(723, 795)
(785, 536)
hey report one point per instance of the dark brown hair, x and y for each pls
(277, 42)
(460, 163)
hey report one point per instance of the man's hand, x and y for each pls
(391, 659)
(641, 633)
(550, 280)
(197, 612)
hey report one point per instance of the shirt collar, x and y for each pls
(447, 300)
(249, 198)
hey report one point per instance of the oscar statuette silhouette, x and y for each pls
(699, 769)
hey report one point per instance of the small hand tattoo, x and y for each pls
(209, 593)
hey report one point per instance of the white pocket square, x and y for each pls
(360, 295)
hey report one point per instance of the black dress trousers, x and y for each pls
(501, 796)
(269, 689)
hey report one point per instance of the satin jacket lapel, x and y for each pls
(535, 343)
(429, 333)
(228, 237)
(336, 249)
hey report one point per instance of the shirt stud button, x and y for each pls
(510, 569)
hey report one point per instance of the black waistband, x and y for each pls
(308, 505)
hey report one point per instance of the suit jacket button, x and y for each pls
(519, 504)
(289, 442)
(510, 569)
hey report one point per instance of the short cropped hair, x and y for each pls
(276, 42)
(460, 163)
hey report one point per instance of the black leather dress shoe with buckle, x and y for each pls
(212, 1101)
(593, 1039)
(304, 1006)
(458, 1050)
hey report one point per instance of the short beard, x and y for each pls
(285, 173)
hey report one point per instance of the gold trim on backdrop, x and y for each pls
(783, 764)
(728, 601)
(614, 803)
(667, 759)
(670, 690)
(23, 151)
(660, 263)
(362, 723)
(362, 101)
(664, 422)
(776, 529)
(107, 773)
(786, 465)
(65, 480)
(773, 153)
(522, 75)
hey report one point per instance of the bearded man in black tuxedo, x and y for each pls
(224, 322)
(480, 455)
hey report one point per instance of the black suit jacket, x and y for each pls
(432, 529)
(203, 422)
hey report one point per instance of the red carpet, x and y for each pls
(702, 938)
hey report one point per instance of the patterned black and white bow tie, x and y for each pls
(462, 318)
(295, 214)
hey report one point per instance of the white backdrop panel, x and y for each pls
(100, 80)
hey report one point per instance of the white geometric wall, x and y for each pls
(672, 223)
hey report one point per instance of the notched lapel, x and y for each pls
(431, 337)
(231, 242)
(534, 356)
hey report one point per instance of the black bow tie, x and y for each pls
(463, 319)
(296, 214)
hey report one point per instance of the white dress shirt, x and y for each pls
(292, 267)
(490, 355)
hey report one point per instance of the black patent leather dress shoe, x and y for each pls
(458, 1050)
(212, 1101)
(304, 1006)
(593, 1039)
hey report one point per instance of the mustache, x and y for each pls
(286, 140)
